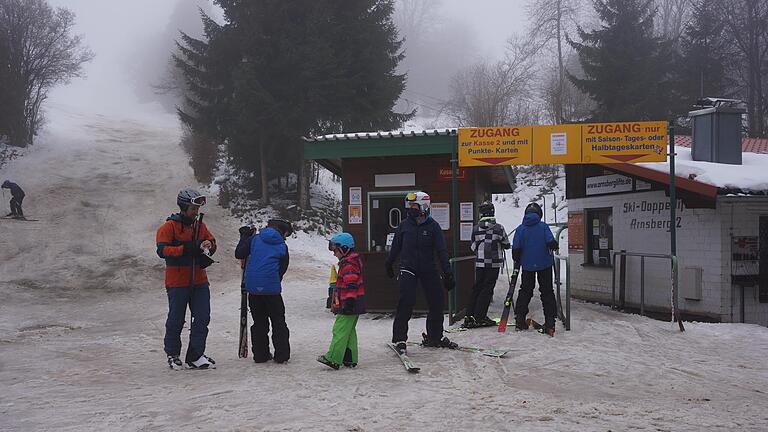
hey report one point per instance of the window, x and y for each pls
(599, 237)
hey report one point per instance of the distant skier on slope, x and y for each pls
(348, 303)
(489, 239)
(17, 196)
(183, 241)
(417, 240)
(268, 259)
(530, 247)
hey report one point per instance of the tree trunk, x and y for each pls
(561, 71)
(264, 173)
(303, 183)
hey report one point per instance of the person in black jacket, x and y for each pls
(417, 240)
(17, 196)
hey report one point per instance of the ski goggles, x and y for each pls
(411, 196)
(331, 246)
(198, 200)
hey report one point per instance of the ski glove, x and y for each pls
(349, 306)
(246, 231)
(390, 270)
(517, 254)
(552, 245)
(448, 282)
(192, 248)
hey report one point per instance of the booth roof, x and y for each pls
(378, 135)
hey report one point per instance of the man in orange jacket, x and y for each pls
(186, 245)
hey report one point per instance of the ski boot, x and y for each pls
(175, 363)
(348, 359)
(549, 329)
(401, 347)
(521, 325)
(204, 362)
(487, 322)
(262, 359)
(469, 322)
(322, 359)
(438, 343)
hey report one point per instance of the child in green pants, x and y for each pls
(348, 303)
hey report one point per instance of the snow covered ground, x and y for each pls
(83, 308)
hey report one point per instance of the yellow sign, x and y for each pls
(489, 146)
(559, 144)
(626, 142)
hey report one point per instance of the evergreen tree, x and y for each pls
(626, 67)
(704, 54)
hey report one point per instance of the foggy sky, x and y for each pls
(124, 35)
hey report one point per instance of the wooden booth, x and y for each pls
(377, 171)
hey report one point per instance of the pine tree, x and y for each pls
(627, 68)
(704, 53)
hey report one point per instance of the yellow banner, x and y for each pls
(489, 146)
(625, 142)
(558, 144)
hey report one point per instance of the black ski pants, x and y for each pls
(482, 292)
(266, 309)
(546, 292)
(433, 291)
(16, 206)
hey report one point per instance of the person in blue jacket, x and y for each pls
(531, 247)
(417, 240)
(266, 256)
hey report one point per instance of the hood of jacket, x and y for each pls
(271, 236)
(531, 219)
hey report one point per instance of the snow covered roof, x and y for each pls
(750, 176)
(377, 135)
(750, 145)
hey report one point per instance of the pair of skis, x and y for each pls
(411, 367)
(242, 351)
(21, 219)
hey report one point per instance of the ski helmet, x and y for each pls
(189, 196)
(487, 209)
(342, 240)
(419, 199)
(283, 226)
(534, 208)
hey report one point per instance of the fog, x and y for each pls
(133, 40)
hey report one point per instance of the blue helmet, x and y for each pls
(343, 240)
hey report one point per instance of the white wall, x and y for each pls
(640, 224)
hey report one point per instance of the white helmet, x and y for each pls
(420, 199)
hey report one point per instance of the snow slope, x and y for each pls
(83, 309)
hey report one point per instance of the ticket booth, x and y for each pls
(377, 171)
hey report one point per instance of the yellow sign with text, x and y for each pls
(490, 146)
(626, 142)
(558, 144)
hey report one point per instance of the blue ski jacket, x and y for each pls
(268, 259)
(417, 245)
(531, 244)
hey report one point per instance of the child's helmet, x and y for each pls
(342, 240)
(283, 226)
(189, 196)
(534, 208)
(486, 209)
(420, 199)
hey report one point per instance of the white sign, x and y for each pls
(355, 215)
(465, 231)
(603, 242)
(375, 204)
(390, 239)
(641, 185)
(608, 184)
(467, 211)
(356, 195)
(558, 143)
(392, 180)
(441, 213)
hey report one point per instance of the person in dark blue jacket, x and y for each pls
(17, 196)
(531, 247)
(417, 240)
(267, 261)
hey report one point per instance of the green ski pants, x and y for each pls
(344, 337)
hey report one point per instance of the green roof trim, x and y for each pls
(384, 146)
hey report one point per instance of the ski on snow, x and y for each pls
(508, 301)
(490, 352)
(407, 363)
(21, 219)
(461, 328)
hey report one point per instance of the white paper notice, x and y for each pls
(441, 213)
(465, 233)
(466, 211)
(603, 243)
(558, 143)
(356, 195)
(375, 204)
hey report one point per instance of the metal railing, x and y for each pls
(564, 315)
(622, 276)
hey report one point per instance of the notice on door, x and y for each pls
(441, 213)
(355, 214)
